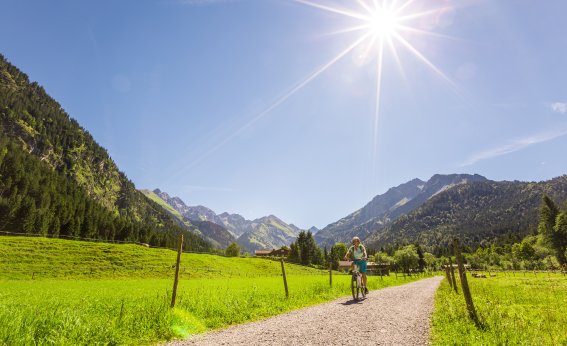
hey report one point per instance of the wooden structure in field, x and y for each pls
(283, 252)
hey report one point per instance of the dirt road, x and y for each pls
(391, 316)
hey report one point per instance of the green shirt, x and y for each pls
(357, 253)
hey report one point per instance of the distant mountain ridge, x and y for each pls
(214, 233)
(268, 232)
(197, 213)
(479, 213)
(264, 233)
(313, 230)
(385, 208)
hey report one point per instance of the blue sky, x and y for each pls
(239, 105)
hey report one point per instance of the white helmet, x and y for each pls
(355, 238)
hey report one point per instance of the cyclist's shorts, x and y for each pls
(361, 265)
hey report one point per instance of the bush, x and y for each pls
(233, 250)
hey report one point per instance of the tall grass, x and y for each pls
(517, 310)
(63, 312)
(118, 306)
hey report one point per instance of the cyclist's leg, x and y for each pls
(363, 272)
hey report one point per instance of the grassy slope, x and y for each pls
(119, 303)
(22, 257)
(517, 310)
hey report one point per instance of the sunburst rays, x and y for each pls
(384, 23)
(383, 26)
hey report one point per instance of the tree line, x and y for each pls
(404, 258)
(545, 249)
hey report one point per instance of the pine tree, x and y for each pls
(309, 252)
(552, 227)
(338, 252)
(548, 215)
(294, 255)
(421, 260)
(560, 235)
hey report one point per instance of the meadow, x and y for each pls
(93, 293)
(523, 309)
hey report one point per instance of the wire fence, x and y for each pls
(486, 273)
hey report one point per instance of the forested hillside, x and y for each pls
(385, 208)
(57, 180)
(480, 213)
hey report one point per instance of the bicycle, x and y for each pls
(356, 285)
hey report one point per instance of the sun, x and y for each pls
(383, 23)
(385, 28)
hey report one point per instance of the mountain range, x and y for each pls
(482, 212)
(477, 210)
(385, 208)
(473, 208)
(57, 180)
(267, 232)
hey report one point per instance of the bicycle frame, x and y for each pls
(356, 275)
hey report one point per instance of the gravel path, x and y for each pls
(392, 316)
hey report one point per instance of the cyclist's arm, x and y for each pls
(365, 254)
(347, 254)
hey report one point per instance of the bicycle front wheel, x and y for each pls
(358, 286)
(354, 288)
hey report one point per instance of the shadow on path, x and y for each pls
(352, 302)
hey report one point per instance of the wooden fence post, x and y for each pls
(284, 279)
(330, 274)
(452, 271)
(448, 275)
(464, 282)
(176, 281)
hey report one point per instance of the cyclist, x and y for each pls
(358, 252)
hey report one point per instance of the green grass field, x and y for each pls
(24, 258)
(513, 310)
(113, 305)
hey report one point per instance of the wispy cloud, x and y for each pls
(559, 107)
(514, 145)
